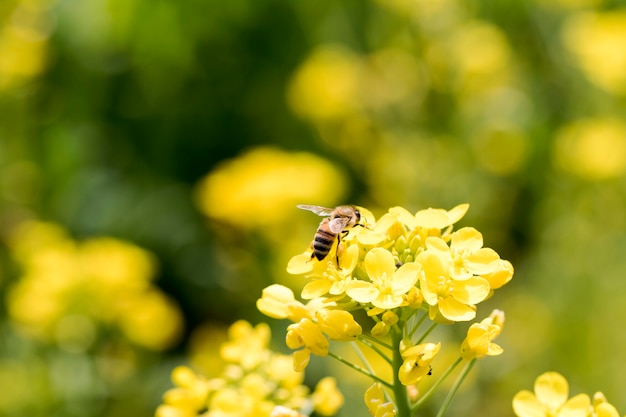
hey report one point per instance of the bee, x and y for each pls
(332, 228)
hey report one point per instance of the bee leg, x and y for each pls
(339, 247)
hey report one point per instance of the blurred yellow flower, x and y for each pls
(602, 408)
(261, 188)
(417, 360)
(479, 340)
(327, 399)
(326, 86)
(596, 40)
(102, 280)
(23, 43)
(255, 383)
(550, 399)
(594, 149)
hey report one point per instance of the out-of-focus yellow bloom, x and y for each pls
(479, 340)
(260, 188)
(550, 399)
(481, 57)
(248, 387)
(326, 86)
(23, 43)
(327, 399)
(602, 408)
(597, 42)
(246, 345)
(417, 360)
(388, 285)
(103, 280)
(454, 299)
(376, 402)
(281, 411)
(593, 149)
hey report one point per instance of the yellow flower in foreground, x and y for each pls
(478, 342)
(417, 361)
(550, 399)
(338, 325)
(388, 284)
(309, 335)
(454, 299)
(376, 403)
(278, 301)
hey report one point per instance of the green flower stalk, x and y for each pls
(409, 273)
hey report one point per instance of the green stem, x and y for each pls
(436, 385)
(455, 388)
(359, 369)
(417, 325)
(375, 348)
(374, 340)
(399, 390)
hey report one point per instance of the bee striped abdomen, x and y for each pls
(322, 243)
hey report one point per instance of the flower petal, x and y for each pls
(577, 406)
(467, 238)
(457, 213)
(483, 261)
(454, 310)
(316, 288)
(432, 218)
(361, 291)
(379, 263)
(525, 404)
(405, 277)
(551, 389)
(300, 264)
(471, 291)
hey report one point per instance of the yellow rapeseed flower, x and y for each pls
(417, 360)
(376, 402)
(260, 188)
(550, 399)
(327, 399)
(602, 408)
(479, 340)
(454, 299)
(388, 285)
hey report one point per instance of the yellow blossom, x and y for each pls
(326, 398)
(309, 335)
(417, 361)
(338, 324)
(478, 342)
(376, 402)
(550, 399)
(327, 278)
(246, 345)
(602, 408)
(465, 255)
(438, 218)
(388, 284)
(278, 301)
(454, 299)
(501, 275)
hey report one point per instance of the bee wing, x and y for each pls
(337, 224)
(319, 210)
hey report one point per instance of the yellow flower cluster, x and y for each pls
(401, 270)
(255, 383)
(551, 399)
(68, 289)
(405, 258)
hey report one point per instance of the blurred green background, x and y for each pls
(152, 153)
